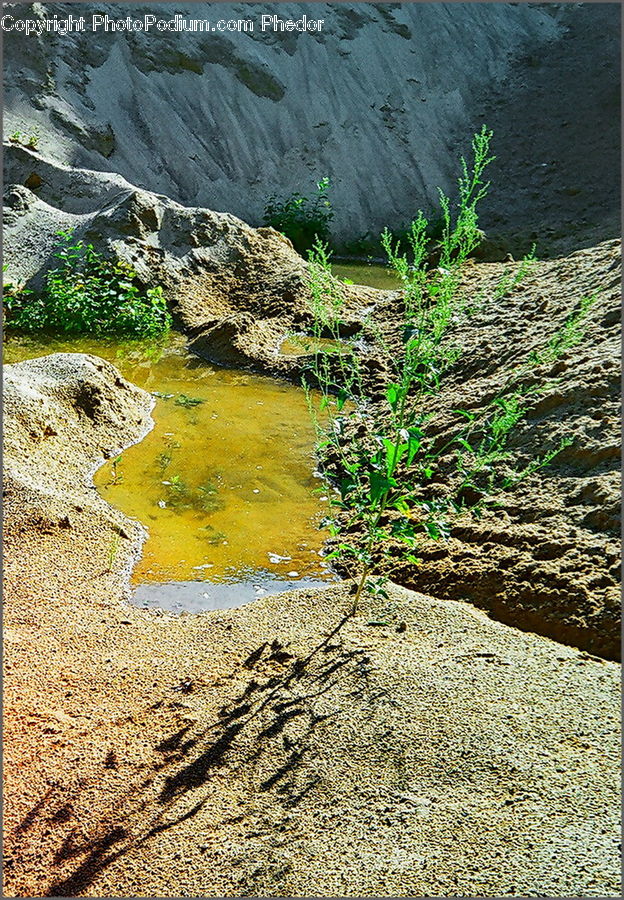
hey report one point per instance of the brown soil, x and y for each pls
(547, 558)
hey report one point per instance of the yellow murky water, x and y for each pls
(372, 275)
(224, 482)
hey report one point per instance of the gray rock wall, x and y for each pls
(382, 100)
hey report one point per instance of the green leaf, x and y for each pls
(379, 485)
(393, 455)
(393, 395)
(341, 399)
(464, 443)
(414, 437)
(334, 554)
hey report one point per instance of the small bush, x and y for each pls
(88, 294)
(393, 482)
(304, 220)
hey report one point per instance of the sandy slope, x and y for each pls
(547, 556)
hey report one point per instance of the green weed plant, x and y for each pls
(85, 293)
(382, 457)
(304, 220)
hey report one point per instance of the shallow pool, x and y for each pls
(224, 482)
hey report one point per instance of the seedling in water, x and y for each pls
(187, 402)
(116, 475)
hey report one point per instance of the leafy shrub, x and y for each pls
(382, 455)
(88, 294)
(304, 220)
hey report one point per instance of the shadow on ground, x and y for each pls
(279, 687)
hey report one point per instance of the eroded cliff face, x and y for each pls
(382, 100)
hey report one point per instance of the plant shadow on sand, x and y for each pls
(280, 687)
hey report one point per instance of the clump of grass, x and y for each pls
(569, 335)
(187, 402)
(31, 141)
(508, 281)
(161, 395)
(88, 294)
(178, 493)
(116, 475)
(207, 497)
(164, 458)
(180, 496)
(212, 536)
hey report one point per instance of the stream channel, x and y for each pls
(224, 483)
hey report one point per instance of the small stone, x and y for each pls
(33, 181)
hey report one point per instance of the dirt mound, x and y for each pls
(68, 397)
(546, 558)
(417, 749)
(237, 291)
(63, 415)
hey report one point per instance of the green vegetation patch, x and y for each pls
(394, 482)
(85, 293)
(304, 220)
